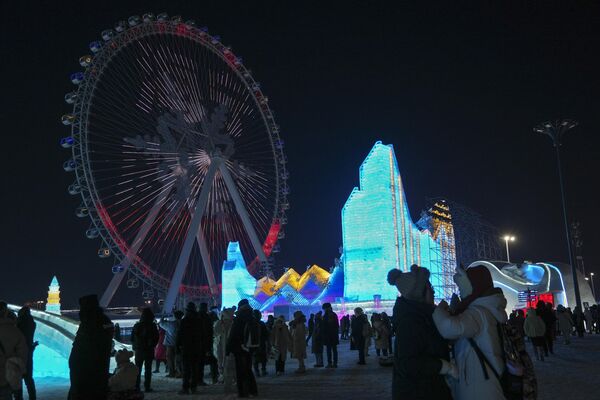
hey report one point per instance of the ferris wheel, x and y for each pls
(175, 153)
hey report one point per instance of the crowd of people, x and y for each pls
(543, 324)
(448, 351)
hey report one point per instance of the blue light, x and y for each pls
(237, 283)
(534, 273)
(48, 362)
(378, 232)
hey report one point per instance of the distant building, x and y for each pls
(53, 303)
(527, 283)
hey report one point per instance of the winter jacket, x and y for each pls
(565, 323)
(382, 335)
(534, 326)
(331, 328)
(549, 319)
(189, 335)
(518, 322)
(144, 338)
(27, 326)
(357, 326)
(418, 352)
(236, 335)
(207, 333)
(281, 339)
(14, 345)
(89, 361)
(299, 341)
(479, 322)
(124, 377)
(171, 328)
(317, 337)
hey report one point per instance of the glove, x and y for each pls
(449, 369)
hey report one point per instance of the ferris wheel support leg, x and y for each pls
(241, 210)
(117, 278)
(210, 275)
(191, 235)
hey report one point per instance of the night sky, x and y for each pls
(456, 91)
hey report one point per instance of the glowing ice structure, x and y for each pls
(314, 287)
(53, 303)
(378, 232)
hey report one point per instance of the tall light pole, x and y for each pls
(508, 238)
(556, 130)
(593, 287)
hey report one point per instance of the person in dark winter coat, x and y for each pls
(189, 343)
(331, 338)
(259, 357)
(518, 320)
(26, 325)
(421, 355)
(311, 327)
(388, 324)
(89, 361)
(144, 338)
(13, 347)
(578, 319)
(246, 382)
(358, 333)
(545, 312)
(208, 357)
(317, 340)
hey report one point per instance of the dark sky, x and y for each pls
(456, 91)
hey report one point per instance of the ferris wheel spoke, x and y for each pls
(195, 224)
(208, 268)
(241, 210)
(135, 246)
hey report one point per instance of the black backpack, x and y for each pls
(517, 377)
(251, 338)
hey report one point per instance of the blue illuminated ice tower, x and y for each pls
(237, 283)
(378, 232)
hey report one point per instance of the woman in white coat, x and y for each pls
(475, 318)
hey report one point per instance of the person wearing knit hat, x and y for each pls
(421, 358)
(473, 323)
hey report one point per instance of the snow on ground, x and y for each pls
(571, 374)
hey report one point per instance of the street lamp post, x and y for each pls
(593, 287)
(556, 130)
(508, 238)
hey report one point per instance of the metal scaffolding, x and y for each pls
(475, 238)
(438, 220)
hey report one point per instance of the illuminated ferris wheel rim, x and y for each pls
(115, 41)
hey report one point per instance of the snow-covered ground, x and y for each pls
(572, 373)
